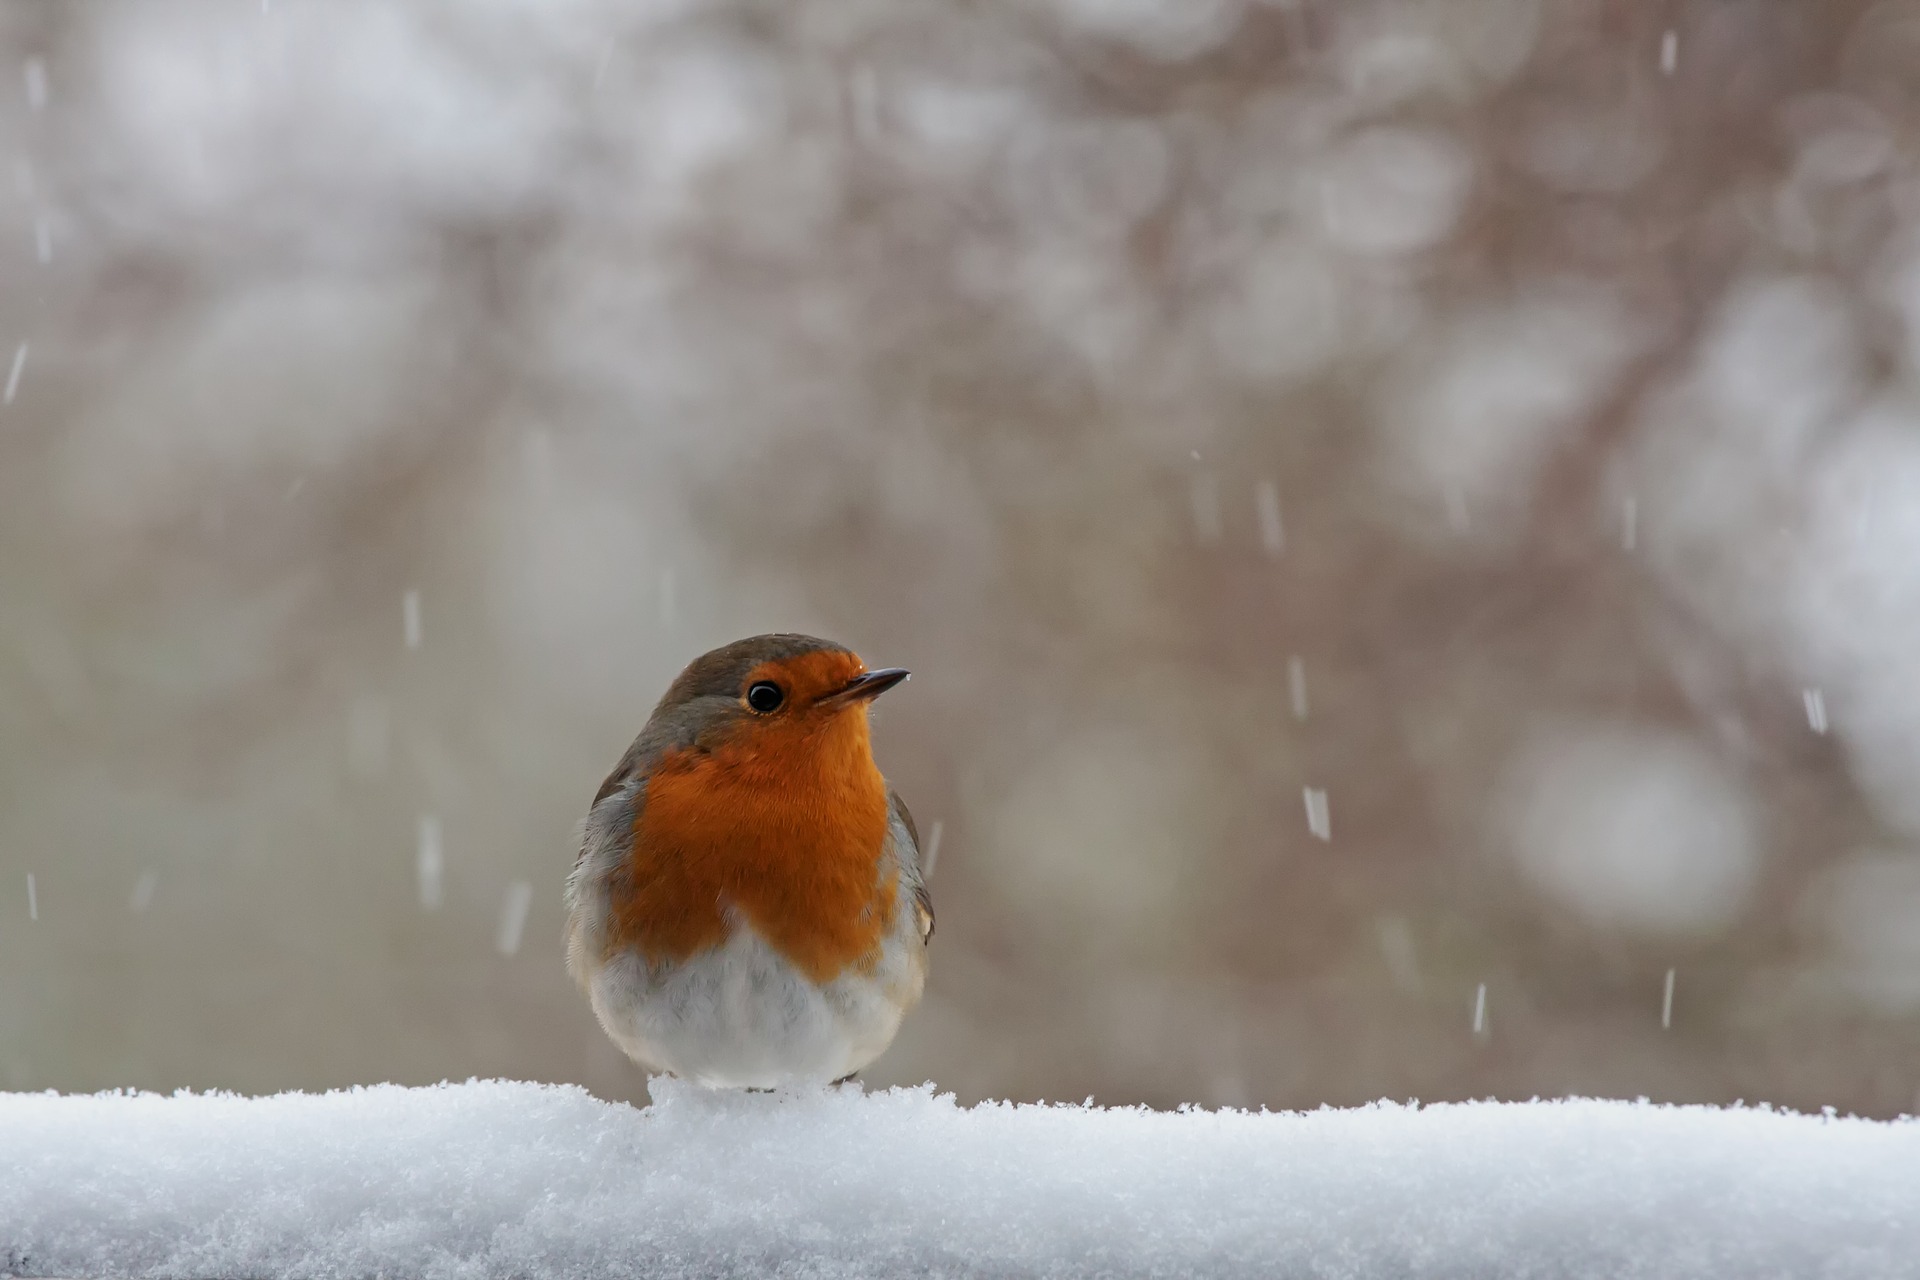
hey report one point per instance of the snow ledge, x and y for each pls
(494, 1178)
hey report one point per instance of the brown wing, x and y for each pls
(615, 780)
(922, 900)
(923, 905)
(635, 763)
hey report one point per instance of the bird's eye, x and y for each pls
(764, 696)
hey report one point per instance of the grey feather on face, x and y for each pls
(721, 672)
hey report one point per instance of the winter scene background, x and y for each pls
(1404, 516)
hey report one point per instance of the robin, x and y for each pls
(747, 909)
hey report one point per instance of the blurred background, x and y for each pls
(1404, 516)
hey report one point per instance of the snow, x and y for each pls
(504, 1179)
(13, 374)
(1319, 816)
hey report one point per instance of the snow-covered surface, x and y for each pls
(501, 1179)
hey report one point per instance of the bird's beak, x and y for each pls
(867, 687)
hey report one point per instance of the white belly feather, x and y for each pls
(742, 1015)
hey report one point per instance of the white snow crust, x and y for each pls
(493, 1178)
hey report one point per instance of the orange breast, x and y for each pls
(786, 826)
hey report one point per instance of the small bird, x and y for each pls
(747, 909)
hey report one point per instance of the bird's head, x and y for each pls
(773, 689)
